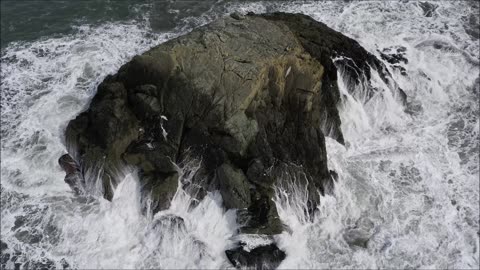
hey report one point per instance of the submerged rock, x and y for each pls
(360, 234)
(251, 95)
(428, 8)
(169, 222)
(3, 246)
(4, 255)
(73, 176)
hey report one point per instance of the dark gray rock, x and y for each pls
(3, 246)
(262, 257)
(73, 176)
(4, 254)
(261, 217)
(237, 16)
(395, 56)
(169, 222)
(257, 173)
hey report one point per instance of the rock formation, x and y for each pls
(252, 97)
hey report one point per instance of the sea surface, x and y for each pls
(407, 194)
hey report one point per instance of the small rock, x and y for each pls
(262, 257)
(74, 177)
(68, 164)
(237, 16)
(64, 263)
(334, 175)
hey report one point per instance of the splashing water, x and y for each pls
(407, 194)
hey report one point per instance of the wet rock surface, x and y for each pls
(261, 257)
(73, 176)
(251, 96)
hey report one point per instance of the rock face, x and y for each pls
(333, 50)
(252, 96)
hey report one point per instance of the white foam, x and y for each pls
(197, 237)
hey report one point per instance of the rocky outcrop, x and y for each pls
(252, 96)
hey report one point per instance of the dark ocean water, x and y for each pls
(26, 20)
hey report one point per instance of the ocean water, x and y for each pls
(407, 194)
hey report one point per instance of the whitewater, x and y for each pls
(408, 177)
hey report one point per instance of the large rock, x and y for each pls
(251, 96)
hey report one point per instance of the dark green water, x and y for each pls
(26, 20)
